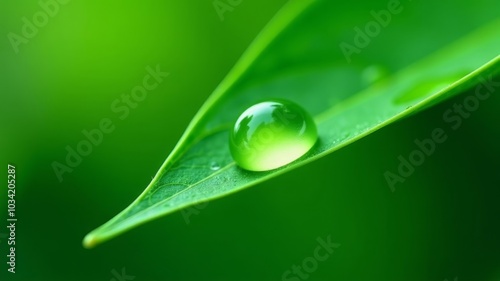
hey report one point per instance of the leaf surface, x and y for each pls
(299, 57)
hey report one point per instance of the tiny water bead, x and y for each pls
(214, 166)
(271, 134)
(429, 86)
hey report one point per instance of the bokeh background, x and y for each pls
(441, 223)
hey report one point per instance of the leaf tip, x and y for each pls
(89, 241)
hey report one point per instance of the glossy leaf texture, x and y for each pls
(414, 60)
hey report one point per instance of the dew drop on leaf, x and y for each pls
(271, 134)
(373, 74)
(214, 166)
(429, 86)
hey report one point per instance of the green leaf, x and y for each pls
(298, 57)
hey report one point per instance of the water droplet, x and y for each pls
(373, 73)
(214, 166)
(271, 134)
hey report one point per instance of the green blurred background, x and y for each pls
(442, 223)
